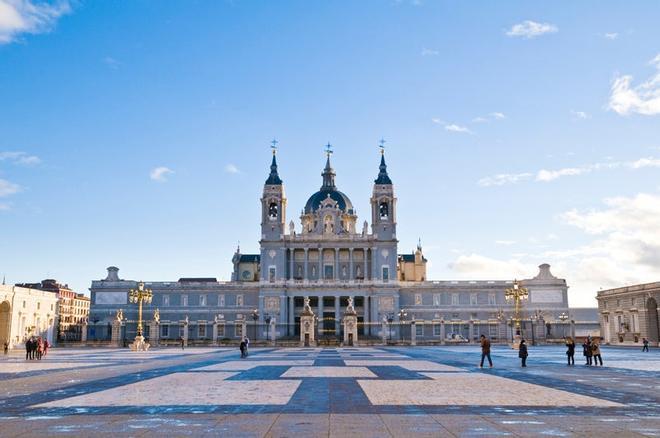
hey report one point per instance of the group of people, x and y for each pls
(245, 343)
(590, 350)
(36, 348)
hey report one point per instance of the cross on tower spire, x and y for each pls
(328, 149)
(381, 145)
(273, 146)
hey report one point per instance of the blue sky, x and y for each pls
(137, 134)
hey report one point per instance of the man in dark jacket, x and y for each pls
(522, 352)
(485, 351)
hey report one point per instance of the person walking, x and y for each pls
(570, 350)
(586, 351)
(243, 348)
(485, 351)
(646, 345)
(183, 343)
(595, 351)
(522, 352)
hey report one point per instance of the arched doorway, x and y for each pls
(5, 314)
(652, 315)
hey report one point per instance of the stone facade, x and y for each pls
(629, 314)
(329, 258)
(26, 312)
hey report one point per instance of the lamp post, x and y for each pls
(516, 293)
(390, 320)
(255, 318)
(139, 296)
(267, 321)
(402, 317)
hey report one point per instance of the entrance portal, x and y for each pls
(652, 315)
(5, 308)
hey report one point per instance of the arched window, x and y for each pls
(384, 210)
(272, 210)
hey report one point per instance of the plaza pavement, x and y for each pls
(309, 392)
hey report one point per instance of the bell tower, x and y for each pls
(273, 224)
(383, 223)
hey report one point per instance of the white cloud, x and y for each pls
(503, 179)
(642, 99)
(429, 52)
(19, 17)
(479, 120)
(611, 35)
(497, 115)
(531, 29)
(546, 175)
(111, 62)
(478, 267)
(438, 121)
(22, 158)
(580, 115)
(456, 128)
(160, 174)
(8, 188)
(231, 168)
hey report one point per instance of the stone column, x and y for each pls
(185, 333)
(244, 327)
(413, 332)
(471, 331)
(366, 317)
(282, 317)
(306, 278)
(320, 315)
(292, 304)
(442, 332)
(154, 333)
(335, 270)
(320, 270)
(337, 314)
(351, 274)
(215, 333)
(384, 331)
(292, 253)
(83, 333)
(116, 333)
(273, 331)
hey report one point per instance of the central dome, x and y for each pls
(328, 190)
(314, 201)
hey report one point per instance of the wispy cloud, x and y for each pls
(498, 116)
(429, 52)
(580, 115)
(19, 17)
(111, 62)
(642, 99)
(452, 127)
(611, 35)
(8, 188)
(504, 179)
(160, 174)
(231, 168)
(531, 29)
(494, 116)
(22, 158)
(549, 175)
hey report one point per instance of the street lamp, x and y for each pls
(402, 317)
(267, 320)
(139, 296)
(390, 320)
(255, 317)
(516, 294)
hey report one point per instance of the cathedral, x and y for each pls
(329, 258)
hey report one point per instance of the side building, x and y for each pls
(24, 313)
(629, 314)
(329, 257)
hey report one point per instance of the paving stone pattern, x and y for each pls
(389, 391)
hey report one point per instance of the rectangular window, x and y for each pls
(419, 329)
(239, 300)
(201, 331)
(184, 300)
(165, 331)
(238, 330)
(418, 299)
(492, 300)
(634, 322)
(221, 330)
(182, 331)
(166, 300)
(221, 300)
(473, 299)
(454, 299)
(328, 271)
(271, 274)
(386, 273)
(437, 329)
(202, 300)
(436, 299)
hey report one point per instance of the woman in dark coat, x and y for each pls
(243, 347)
(570, 350)
(586, 350)
(522, 352)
